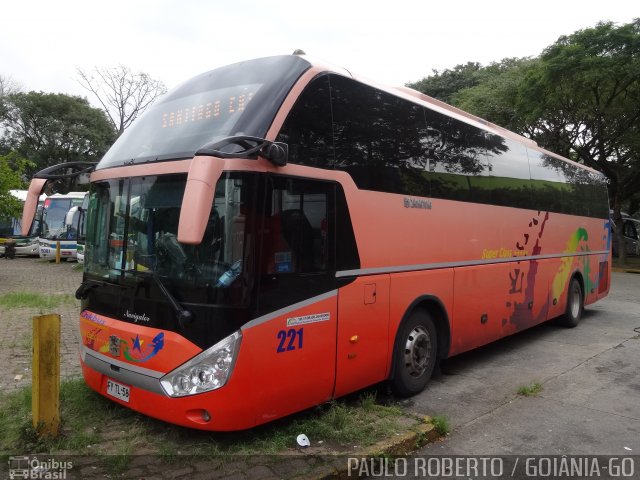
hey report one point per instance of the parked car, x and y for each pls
(631, 237)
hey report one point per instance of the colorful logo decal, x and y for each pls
(101, 338)
(137, 351)
(522, 316)
(92, 317)
(90, 338)
(562, 277)
(114, 345)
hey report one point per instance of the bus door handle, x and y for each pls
(369, 293)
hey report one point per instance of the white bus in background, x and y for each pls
(10, 229)
(77, 219)
(55, 228)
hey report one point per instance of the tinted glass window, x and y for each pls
(509, 173)
(578, 190)
(598, 196)
(307, 129)
(240, 98)
(547, 182)
(297, 260)
(377, 138)
(10, 226)
(296, 227)
(559, 186)
(392, 145)
(630, 230)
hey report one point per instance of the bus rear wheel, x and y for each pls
(414, 354)
(575, 305)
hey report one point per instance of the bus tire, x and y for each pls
(575, 305)
(415, 354)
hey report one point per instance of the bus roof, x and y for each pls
(69, 195)
(22, 195)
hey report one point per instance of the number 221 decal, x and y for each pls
(289, 340)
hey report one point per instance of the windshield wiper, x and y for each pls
(275, 152)
(83, 290)
(183, 316)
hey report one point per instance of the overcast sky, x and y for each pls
(43, 42)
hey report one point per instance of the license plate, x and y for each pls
(118, 390)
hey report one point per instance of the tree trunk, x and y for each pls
(619, 232)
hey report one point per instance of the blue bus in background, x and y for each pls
(10, 229)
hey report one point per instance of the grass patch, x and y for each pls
(34, 300)
(441, 425)
(354, 421)
(81, 420)
(530, 390)
(91, 423)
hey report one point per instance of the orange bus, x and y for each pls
(277, 233)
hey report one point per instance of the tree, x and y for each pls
(585, 93)
(446, 84)
(7, 87)
(124, 95)
(52, 128)
(580, 98)
(495, 95)
(12, 167)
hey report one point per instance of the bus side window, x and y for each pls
(307, 130)
(298, 235)
(296, 227)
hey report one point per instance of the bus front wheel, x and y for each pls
(575, 305)
(414, 354)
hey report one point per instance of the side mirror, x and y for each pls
(203, 176)
(277, 153)
(31, 203)
(70, 216)
(78, 172)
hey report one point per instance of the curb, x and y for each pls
(625, 270)
(402, 445)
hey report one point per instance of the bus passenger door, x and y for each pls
(294, 340)
(363, 331)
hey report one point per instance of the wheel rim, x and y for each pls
(575, 301)
(417, 351)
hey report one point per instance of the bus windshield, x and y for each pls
(131, 236)
(240, 99)
(9, 227)
(36, 226)
(53, 219)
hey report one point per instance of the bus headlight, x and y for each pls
(207, 371)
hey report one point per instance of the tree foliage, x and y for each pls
(446, 84)
(123, 94)
(580, 98)
(12, 168)
(585, 95)
(586, 90)
(495, 95)
(7, 87)
(52, 128)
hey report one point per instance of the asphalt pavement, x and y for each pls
(589, 403)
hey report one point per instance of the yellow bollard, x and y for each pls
(45, 395)
(58, 251)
